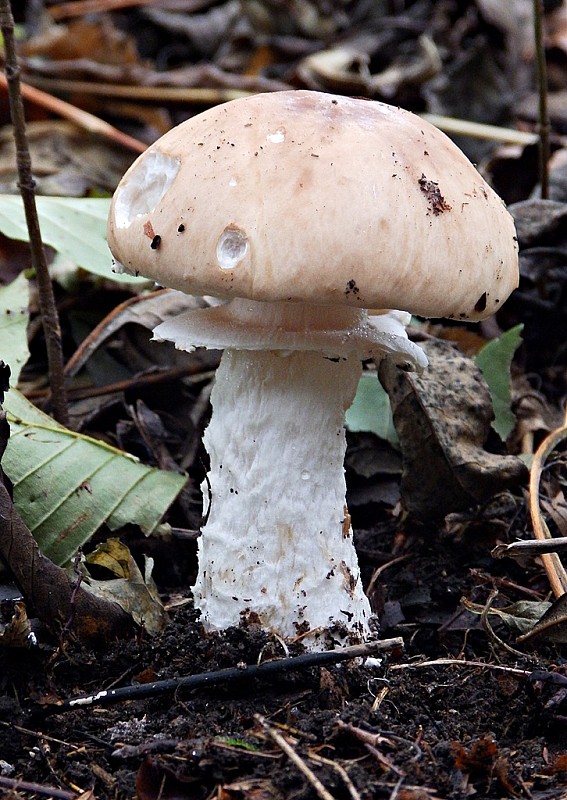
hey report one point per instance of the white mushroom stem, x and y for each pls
(278, 543)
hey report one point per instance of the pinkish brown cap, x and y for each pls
(315, 198)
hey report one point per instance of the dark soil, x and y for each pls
(398, 729)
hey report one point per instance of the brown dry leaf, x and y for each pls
(134, 592)
(144, 312)
(91, 38)
(483, 759)
(345, 69)
(66, 160)
(16, 632)
(443, 420)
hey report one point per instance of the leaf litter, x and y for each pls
(454, 714)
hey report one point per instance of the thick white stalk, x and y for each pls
(278, 544)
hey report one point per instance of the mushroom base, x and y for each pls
(277, 545)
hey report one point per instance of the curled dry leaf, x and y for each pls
(133, 591)
(16, 632)
(443, 421)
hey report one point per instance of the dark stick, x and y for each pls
(25, 786)
(224, 676)
(543, 114)
(26, 185)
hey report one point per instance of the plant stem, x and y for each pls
(543, 113)
(26, 185)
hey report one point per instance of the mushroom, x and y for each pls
(302, 210)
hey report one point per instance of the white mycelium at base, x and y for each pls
(277, 541)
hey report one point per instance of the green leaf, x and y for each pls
(494, 361)
(73, 226)
(370, 410)
(14, 315)
(67, 485)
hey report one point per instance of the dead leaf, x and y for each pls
(521, 617)
(133, 591)
(145, 311)
(551, 626)
(17, 632)
(443, 420)
(483, 759)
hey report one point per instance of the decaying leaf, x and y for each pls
(133, 591)
(146, 311)
(443, 419)
(532, 619)
(552, 625)
(16, 632)
(521, 617)
(483, 760)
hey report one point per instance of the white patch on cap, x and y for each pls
(144, 187)
(277, 137)
(232, 246)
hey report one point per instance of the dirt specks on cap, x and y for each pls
(437, 203)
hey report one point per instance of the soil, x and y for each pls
(480, 724)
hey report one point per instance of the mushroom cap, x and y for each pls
(310, 197)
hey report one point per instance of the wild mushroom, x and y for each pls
(302, 209)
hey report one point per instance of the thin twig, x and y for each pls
(163, 95)
(284, 745)
(158, 375)
(352, 790)
(84, 119)
(26, 184)
(556, 573)
(543, 113)
(485, 620)
(78, 8)
(458, 662)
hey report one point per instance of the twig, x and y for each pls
(458, 662)
(485, 620)
(226, 676)
(543, 113)
(157, 375)
(480, 130)
(202, 95)
(26, 184)
(79, 116)
(37, 788)
(555, 570)
(79, 8)
(163, 95)
(352, 790)
(526, 548)
(284, 745)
